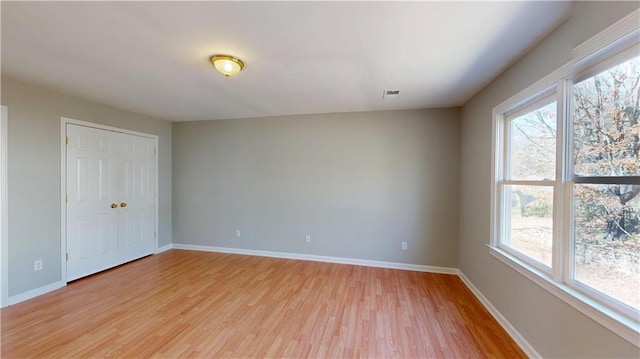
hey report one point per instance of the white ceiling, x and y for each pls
(301, 57)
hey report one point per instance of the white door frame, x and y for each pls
(63, 182)
(4, 206)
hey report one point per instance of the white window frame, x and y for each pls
(601, 52)
(503, 200)
(597, 65)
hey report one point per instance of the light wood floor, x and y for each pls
(210, 305)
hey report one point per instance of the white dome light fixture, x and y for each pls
(226, 64)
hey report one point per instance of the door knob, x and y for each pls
(114, 205)
(123, 204)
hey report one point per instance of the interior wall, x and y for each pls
(34, 175)
(553, 327)
(358, 183)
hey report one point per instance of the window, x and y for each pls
(566, 189)
(606, 183)
(528, 182)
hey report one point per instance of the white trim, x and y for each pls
(63, 200)
(542, 268)
(36, 292)
(623, 30)
(561, 227)
(156, 192)
(594, 65)
(164, 248)
(536, 91)
(316, 258)
(63, 182)
(510, 329)
(67, 120)
(531, 106)
(610, 319)
(4, 210)
(537, 183)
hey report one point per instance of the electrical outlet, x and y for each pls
(307, 238)
(404, 246)
(238, 233)
(37, 265)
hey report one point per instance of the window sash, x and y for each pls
(505, 225)
(569, 275)
(596, 67)
(540, 101)
(537, 101)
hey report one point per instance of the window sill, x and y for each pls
(619, 324)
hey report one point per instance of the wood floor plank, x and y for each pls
(203, 305)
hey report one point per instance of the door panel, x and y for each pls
(104, 181)
(136, 227)
(91, 188)
(82, 172)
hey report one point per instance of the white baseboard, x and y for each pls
(316, 258)
(164, 248)
(35, 292)
(515, 335)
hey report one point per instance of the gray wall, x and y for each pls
(358, 183)
(34, 174)
(553, 327)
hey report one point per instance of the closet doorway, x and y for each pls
(110, 197)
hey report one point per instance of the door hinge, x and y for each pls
(155, 234)
(155, 151)
(66, 198)
(66, 140)
(67, 256)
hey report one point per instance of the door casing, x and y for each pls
(4, 206)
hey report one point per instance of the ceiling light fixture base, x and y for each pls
(226, 64)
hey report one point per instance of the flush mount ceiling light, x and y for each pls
(226, 64)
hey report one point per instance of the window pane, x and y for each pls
(606, 129)
(530, 221)
(607, 240)
(533, 144)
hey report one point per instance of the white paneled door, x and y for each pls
(110, 199)
(136, 187)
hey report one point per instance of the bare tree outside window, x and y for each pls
(532, 157)
(607, 214)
